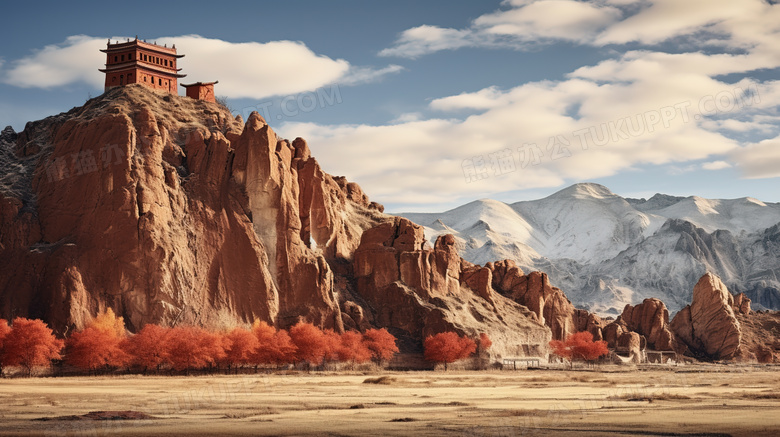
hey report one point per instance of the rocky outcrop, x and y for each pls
(650, 319)
(548, 303)
(420, 291)
(631, 343)
(708, 326)
(761, 336)
(170, 210)
(741, 304)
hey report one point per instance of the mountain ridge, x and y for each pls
(607, 251)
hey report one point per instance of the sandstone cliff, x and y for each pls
(548, 303)
(169, 210)
(421, 291)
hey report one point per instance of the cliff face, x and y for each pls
(420, 291)
(548, 303)
(169, 210)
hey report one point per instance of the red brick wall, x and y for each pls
(134, 74)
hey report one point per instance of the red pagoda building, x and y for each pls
(141, 62)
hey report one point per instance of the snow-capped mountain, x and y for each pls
(606, 251)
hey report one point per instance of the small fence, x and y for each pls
(525, 362)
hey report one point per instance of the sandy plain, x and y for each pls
(676, 401)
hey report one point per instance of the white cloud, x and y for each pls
(665, 19)
(421, 161)
(716, 165)
(249, 69)
(422, 40)
(75, 60)
(407, 118)
(359, 75)
(559, 19)
(745, 24)
(483, 99)
(641, 108)
(523, 23)
(759, 160)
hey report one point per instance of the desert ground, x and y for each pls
(687, 400)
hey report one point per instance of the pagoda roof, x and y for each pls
(163, 50)
(187, 85)
(143, 66)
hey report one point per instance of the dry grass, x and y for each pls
(525, 413)
(760, 396)
(639, 397)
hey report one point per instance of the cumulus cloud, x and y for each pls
(525, 22)
(559, 19)
(662, 20)
(247, 69)
(75, 60)
(526, 137)
(759, 160)
(638, 108)
(744, 25)
(716, 165)
(483, 99)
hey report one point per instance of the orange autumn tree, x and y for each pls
(352, 348)
(274, 347)
(149, 347)
(381, 344)
(283, 350)
(243, 345)
(100, 345)
(190, 347)
(29, 344)
(310, 342)
(579, 347)
(332, 345)
(484, 343)
(448, 347)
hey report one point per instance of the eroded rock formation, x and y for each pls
(420, 291)
(548, 303)
(171, 210)
(708, 326)
(650, 319)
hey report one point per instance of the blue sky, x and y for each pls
(429, 105)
